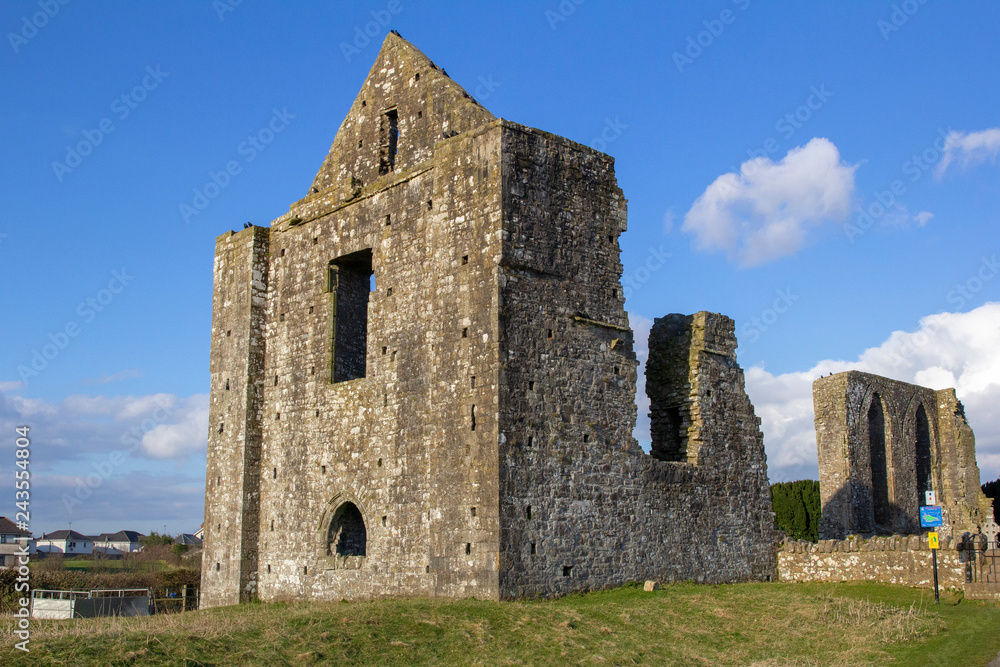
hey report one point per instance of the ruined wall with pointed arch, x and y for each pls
(864, 493)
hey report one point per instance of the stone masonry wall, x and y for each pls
(232, 498)
(896, 559)
(584, 511)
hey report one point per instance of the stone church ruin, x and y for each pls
(882, 444)
(423, 378)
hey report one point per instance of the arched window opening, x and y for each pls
(923, 454)
(347, 535)
(879, 467)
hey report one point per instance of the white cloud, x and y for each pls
(11, 386)
(969, 148)
(640, 327)
(960, 350)
(766, 210)
(79, 426)
(169, 441)
(899, 217)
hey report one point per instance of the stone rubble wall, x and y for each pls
(895, 559)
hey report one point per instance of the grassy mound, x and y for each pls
(684, 624)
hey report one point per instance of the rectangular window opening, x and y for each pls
(473, 416)
(468, 548)
(567, 570)
(527, 512)
(349, 283)
(533, 550)
(384, 519)
(472, 510)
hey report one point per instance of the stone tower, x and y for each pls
(882, 443)
(423, 378)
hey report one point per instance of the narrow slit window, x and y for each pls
(389, 131)
(472, 414)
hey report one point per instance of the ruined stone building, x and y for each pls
(423, 378)
(882, 444)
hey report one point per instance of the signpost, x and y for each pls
(930, 517)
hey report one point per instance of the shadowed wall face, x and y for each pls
(879, 470)
(923, 455)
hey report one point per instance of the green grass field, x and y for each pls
(682, 624)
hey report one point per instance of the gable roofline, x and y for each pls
(65, 535)
(8, 527)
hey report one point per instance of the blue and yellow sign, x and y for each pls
(930, 516)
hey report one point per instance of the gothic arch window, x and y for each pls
(923, 454)
(347, 535)
(879, 464)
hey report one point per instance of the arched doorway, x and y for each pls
(879, 465)
(347, 535)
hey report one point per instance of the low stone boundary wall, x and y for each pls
(897, 559)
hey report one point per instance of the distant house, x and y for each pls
(66, 542)
(116, 544)
(12, 542)
(188, 539)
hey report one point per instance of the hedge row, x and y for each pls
(65, 580)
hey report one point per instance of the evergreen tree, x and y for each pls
(992, 490)
(797, 508)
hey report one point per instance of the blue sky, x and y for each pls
(117, 114)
